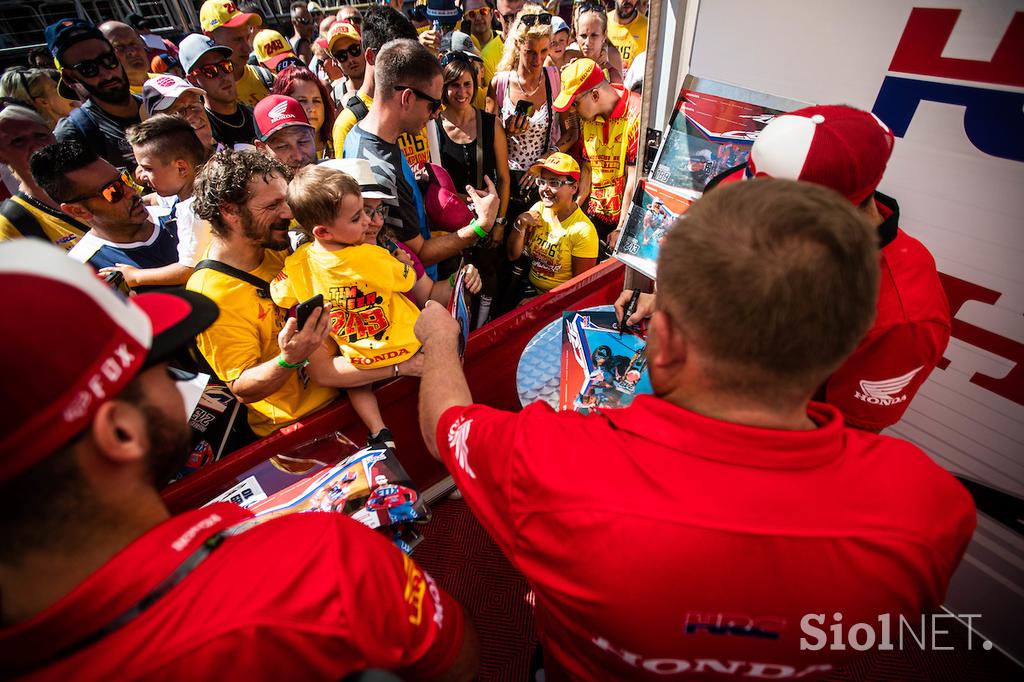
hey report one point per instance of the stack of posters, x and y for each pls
(602, 367)
(371, 486)
(707, 135)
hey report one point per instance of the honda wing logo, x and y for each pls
(884, 392)
(278, 112)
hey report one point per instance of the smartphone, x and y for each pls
(306, 308)
(115, 280)
(524, 108)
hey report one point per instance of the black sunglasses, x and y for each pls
(302, 20)
(344, 53)
(88, 68)
(435, 104)
(449, 57)
(213, 70)
(543, 19)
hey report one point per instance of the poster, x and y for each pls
(458, 306)
(648, 222)
(707, 135)
(602, 367)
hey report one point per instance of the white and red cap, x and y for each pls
(74, 343)
(277, 112)
(160, 92)
(840, 147)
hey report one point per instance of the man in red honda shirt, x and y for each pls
(100, 582)
(847, 150)
(702, 530)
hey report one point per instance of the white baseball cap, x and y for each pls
(161, 92)
(362, 173)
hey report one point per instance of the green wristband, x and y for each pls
(480, 232)
(451, 279)
(281, 362)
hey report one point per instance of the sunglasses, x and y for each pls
(542, 19)
(379, 212)
(112, 192)
(479, 12)
(554, 184)
(357, 20)
(305, 21)
(435, 104)
(351, 52)
(213, 70)
(449, 57)
(177, 374)
(89, 68)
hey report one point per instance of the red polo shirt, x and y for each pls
(659, 541)
(308, 596)
(875, 385)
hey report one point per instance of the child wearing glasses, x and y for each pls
(557, 238)
(371, 323)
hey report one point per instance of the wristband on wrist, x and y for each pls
(281, 362)
(451, 279)
(480, 231)
(396, 371)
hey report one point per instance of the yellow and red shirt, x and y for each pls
(370, 322)
(610, 145)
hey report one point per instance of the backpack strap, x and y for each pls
(262, 286)
(265, 76)
(88, 128)
(23, 221)
(357, 106)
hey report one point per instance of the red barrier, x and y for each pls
(492, 355)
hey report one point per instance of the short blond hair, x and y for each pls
(316, 193)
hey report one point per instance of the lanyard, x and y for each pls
(180, 573)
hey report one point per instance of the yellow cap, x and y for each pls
(271, 48)
(341, 30)
(579, 77)
(558, 163)
(220, 13)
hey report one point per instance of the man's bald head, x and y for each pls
(130, 50)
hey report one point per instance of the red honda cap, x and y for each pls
(837, 146)
(72, 343)
(276, 112)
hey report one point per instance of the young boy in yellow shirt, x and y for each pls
(371, 321)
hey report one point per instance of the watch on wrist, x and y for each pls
(500, 221)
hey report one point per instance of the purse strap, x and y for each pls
(479, 149)
(262, 286)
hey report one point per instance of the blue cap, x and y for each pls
(558, 24)
(62, 34)
(444, 12)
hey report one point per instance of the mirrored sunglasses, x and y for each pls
(112, 192)
(213, 70)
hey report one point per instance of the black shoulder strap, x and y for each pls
(266, 76)
(551, 111)
(357, 106)
(23, 221)
(89, 129)
(223, 268)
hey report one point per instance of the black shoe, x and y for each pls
(383, 439)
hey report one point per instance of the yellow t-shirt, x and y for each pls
(554, 243)
(251, 88)
(245, 335)
(629, 39)
(416, 148)
(60, 228)
(491, 54)
(370, 319)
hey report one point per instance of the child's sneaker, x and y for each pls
(382, 439)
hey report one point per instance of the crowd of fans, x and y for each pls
(368, 159)
(471, 116)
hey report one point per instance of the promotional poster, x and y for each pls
(648, 223)
(602, 367)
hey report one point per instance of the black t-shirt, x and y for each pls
(460, 159)
(239, 128)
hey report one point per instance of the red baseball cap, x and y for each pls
(276, 112)
(837, 146)
(55, 384)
